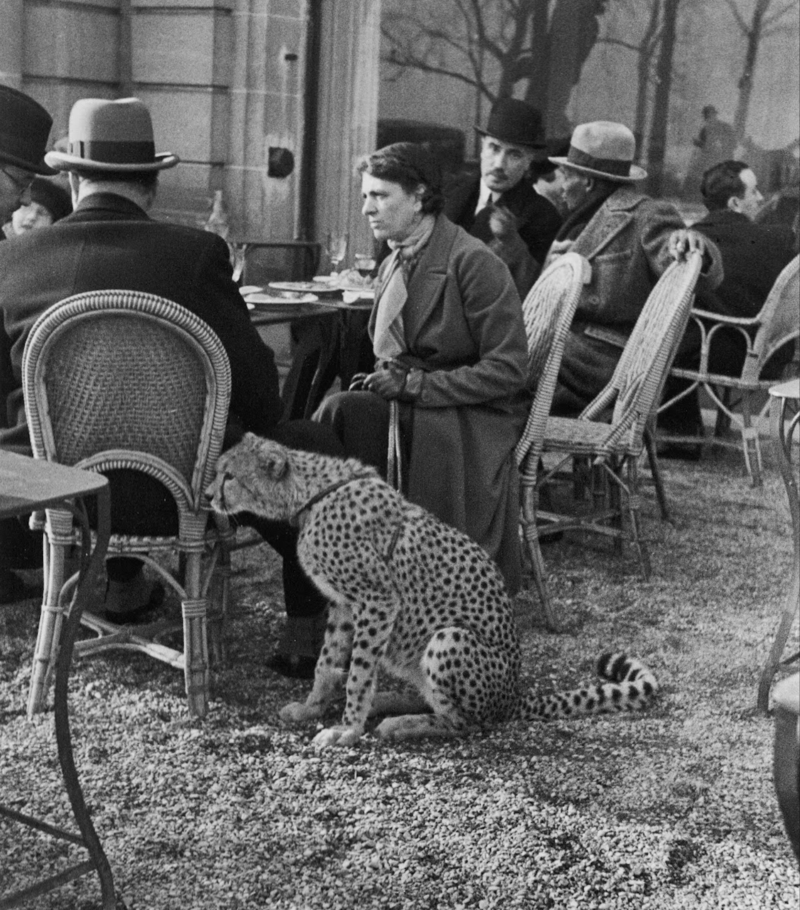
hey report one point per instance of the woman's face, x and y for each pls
(29, 217)
(392, 212)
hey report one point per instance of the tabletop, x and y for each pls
(790, 389)
(28, 484)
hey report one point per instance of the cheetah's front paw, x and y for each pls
(296, 712)
(337, 736)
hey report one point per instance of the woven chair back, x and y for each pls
(779, 319)
(548, 310)
(127, 373)
(642, 369)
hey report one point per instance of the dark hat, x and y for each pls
(24, 128)
(111, 136)
(516, 122)
(603, 149)
(52, 196)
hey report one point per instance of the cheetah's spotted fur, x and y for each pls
(408, 593)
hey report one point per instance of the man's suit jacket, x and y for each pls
(109, 242)
(538, 222)
(753, 255)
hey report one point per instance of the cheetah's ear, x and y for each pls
(275, 461)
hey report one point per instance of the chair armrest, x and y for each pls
(728, 320)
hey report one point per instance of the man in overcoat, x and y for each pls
(24, 130)
(500, 207)
(629, 240)
(110, 241)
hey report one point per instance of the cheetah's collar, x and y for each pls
(327, 491)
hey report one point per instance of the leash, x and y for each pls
(328, 490)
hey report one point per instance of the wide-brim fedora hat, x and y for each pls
(24, 130)
(111, 136)
(603, 149)
(516, 122)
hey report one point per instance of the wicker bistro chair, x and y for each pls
(548, 310)
(777, 324)
(124, 380)
(613, 446)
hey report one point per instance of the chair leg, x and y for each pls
(218, 604)
(790, 609)
(530, 500)
(750, 443)
(195, 638)
(655, 470)
(49, 634)
(634, 510)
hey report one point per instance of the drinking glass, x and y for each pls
(336, 248)
(365, 264)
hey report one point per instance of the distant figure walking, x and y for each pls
(715, 142)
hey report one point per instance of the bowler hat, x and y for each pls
(603, 149)
(516, 122)
(111, 136)
(24, 128)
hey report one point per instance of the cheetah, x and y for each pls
(408, 593)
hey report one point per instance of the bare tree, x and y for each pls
(497, 45)
(657, 144)
(762, 24)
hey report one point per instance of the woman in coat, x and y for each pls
(450, 346)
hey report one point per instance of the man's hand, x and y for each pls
(502, 222)
(685, 241)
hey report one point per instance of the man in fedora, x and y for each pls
(501, 207)
(24, 130)
(629, 240)
(110, 241)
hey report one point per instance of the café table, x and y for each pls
(327, 342)
(784, 430)
(30, 485)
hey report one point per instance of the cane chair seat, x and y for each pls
(610, 433)
(120, 381)
(735, 398)
(548, 310)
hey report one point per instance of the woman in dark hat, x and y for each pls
(450, 347)
(49, 202)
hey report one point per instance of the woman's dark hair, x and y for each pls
(722, 181)
(410, 165)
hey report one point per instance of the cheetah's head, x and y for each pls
(255, 476)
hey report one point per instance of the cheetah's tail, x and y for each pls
(631, 686)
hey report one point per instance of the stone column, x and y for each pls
(347, 116)
(11, 15)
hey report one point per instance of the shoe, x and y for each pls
(121, 595)
(546, 537)
(295, 666)
(13, 589)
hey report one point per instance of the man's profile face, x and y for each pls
(15, 187)
(574, 188)
(503, 164)
(750, 201)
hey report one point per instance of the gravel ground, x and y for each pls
(670, 809)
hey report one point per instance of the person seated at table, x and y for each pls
(49, 202)
(501, 207)
(450, 347)
(629, 240)
(110, 241)
(24, 130)
(753, 255)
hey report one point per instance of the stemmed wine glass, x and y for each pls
(237, 254)
(336, 248)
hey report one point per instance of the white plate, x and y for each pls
(304, 287)
(281, 298)
(250, 289)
